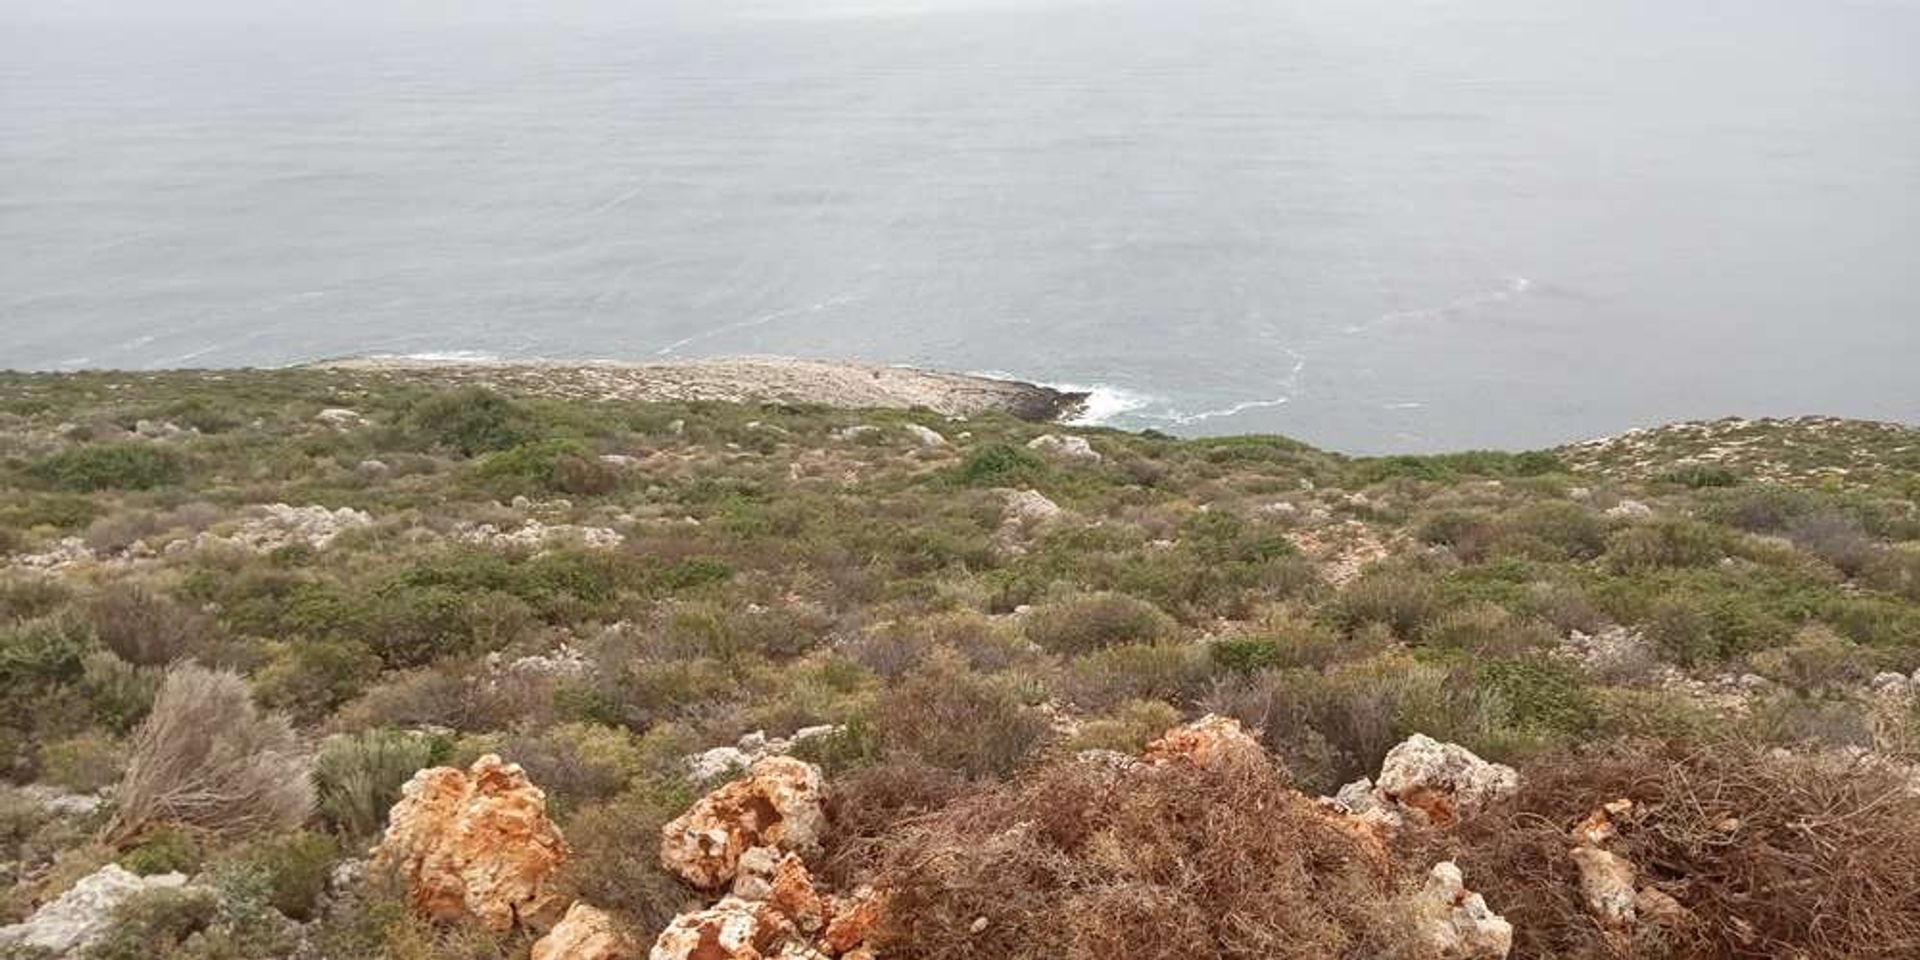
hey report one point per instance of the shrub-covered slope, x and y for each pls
(371, 574)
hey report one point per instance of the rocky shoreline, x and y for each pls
(830, 383)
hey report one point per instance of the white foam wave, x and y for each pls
(1510, 289)
(1105, 403)
(1232, 410)
(449, 356)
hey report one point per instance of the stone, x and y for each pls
(1210, 743)
(717, 762)
(476, 844)
(777, 804)
(81, 916)
(793, 894)
(585, 933)
(732, 929)
(927, 436)
(60, 803)
(1439, 783)
(1065, 448)
(854, 919)
(1630, 510)
(753, 875)
(1607, 886)
(856, 431)
(1031, 506)
(340, 418)
(1602, 824)
(1451, 922)
(1657, 907)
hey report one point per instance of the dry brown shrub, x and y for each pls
(1820, 866)
(1082, 861)
(207, 758)
(866, 803)
(144, 627)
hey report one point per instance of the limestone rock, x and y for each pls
(1066, 448)
(1451, 922)
(927, 436)
(476, 844)
(341, 418)
(793, 894)
(1606, 883)
(853, 920)
(585, 933)
(733, 929)
(1441, 782)
(1630, 510)
(84, 913)
(1209, 743)
(777, 805)
(1031, 507)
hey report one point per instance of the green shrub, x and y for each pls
(155, 923)
(84, 763)
(1700, 475)
(1817, 662)
(1539, 693)
(471, 421)
(1000, 465)
(616, 861)
(295, 867)
(144, 628)
(1488, 630)
(1244, 655)
(357, 778)
(109, 466)
(1127, 728)
(164, 849)
(1093, 621)
(1665, 543)
(1176, 672)
(1401, 601)
(543, 467)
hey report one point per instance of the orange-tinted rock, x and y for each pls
(1209, 743)
(733, 929)
(476, 844)
(776, 805)
(1602, 824)
(792, 893)
(585, 933)
(853, 921)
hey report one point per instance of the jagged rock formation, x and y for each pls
(752, 833)
(476, 844)
(777, 805)
(1432, 783)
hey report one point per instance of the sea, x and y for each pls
(1374, 225)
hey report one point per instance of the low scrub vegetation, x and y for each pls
(232, 635)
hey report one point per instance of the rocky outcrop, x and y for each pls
(793, 920)
(476, 844)
(1437, 783)
(83, 914)
(1064, 447)
(585, 933)
(1450, 922)
(776, 805)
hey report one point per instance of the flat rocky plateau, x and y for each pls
(829, 383)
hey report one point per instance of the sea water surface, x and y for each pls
(1372, 224)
